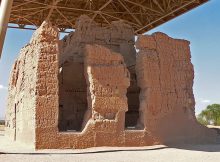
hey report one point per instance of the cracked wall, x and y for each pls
(21, 107)
(32, 87)
(89, 74)
(165, 75)
(118, 37)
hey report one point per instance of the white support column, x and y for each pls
(5, 10)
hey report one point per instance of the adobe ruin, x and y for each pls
(93, 89)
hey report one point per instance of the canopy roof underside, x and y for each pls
(143, 15)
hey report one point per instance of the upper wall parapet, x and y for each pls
(118, 36)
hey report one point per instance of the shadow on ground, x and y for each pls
(203, 148)
(89, 152)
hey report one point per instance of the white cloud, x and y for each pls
(202, 100)
(2, 87)
(206, 101)
(201, 104)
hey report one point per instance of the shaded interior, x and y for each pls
(133, 92)
(72, 97)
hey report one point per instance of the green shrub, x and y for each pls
(211, 115)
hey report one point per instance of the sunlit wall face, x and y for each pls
(200, 26)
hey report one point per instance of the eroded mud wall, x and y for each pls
(33, 89)
(108, 80)
(21, 109)
(96, 75)
(47, 89)
(165, 75)
(117, 37)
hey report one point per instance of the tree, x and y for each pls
(211, 115)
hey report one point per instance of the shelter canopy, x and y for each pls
(143, 15)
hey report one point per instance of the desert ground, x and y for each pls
(13, 151)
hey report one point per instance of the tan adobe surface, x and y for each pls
(92, 89)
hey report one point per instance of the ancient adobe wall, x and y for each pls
(32, 85)
(107, 80)
(118, 36)
(47, 84)
(21, 109)
(165, 74)
(36, 74)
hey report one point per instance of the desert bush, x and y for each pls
(210, 116)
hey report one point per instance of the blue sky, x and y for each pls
(200, 26)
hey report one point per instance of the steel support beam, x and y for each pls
(5, 10)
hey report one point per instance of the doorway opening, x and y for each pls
(133, 93)
(72, 97)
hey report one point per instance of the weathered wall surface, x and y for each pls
(108, 80)
(118, 37)
(20, 115)
(165, 74)
(83, 86)
(47, 87)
